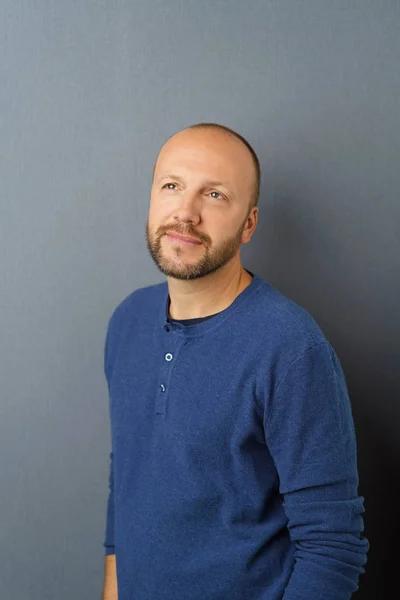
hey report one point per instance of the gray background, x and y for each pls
(88, 92)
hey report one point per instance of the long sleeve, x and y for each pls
(109, 533)
(310, 433)
(109, 528)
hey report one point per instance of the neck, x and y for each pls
(206, 295)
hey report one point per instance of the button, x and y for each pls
(168, 356)
(162, 387)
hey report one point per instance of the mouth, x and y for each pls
(185, 240)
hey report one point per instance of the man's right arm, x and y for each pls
(110, 565)
(110, 591)
(110, 588)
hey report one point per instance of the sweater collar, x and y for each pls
(205, 326)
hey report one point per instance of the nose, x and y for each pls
(188, 208)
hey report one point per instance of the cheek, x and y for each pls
(153, 219)
(158, 222)
(158, 211)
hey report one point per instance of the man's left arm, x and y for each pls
(310, 433)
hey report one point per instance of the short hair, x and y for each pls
(256, 162)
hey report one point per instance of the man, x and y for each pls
(233, 472)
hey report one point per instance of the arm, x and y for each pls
(110, 587)
(310, 433)
(110, 590)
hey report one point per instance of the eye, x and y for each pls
(216, 195)
(169, 186)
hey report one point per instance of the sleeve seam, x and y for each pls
(284, 376)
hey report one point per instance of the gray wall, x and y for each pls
(88, 92)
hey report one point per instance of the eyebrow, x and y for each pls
(169, 176)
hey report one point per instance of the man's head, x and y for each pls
(206, 183)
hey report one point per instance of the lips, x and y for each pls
(184, 238)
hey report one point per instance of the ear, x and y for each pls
(251, 224)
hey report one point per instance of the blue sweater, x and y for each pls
(233, 469)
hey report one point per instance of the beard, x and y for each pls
(211, 260)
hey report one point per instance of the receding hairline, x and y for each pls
(235, 134)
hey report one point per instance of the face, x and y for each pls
(202, 188)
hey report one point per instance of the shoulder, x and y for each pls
(138, 308)
(282, 326)
(288, 319)
(140, 303)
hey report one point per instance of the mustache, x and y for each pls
(183, 231)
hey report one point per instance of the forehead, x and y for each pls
(206, 153)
